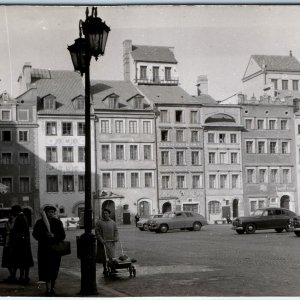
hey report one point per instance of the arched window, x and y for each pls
(214, 207)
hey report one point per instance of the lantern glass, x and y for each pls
(78, 55)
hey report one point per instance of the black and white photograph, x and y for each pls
(149, 150)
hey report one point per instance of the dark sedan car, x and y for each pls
(268, 218)
(296, 225)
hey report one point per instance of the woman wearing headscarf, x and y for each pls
(47, 231)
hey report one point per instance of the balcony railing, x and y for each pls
(157, 81)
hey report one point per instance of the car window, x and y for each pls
(279, 212)
(270, 212)
(265, 213)
(259, 212)
(188, 214)
(179, 214)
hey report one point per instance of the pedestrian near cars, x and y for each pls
(137, 218)
(107, 235)
(47, 231)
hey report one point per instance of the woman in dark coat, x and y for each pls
(48, 260)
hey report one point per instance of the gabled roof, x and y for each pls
(153, 54)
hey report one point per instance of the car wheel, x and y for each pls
(190, 229)
(197, 226)
(240, 231)
(141, 229)
(145, 227)
(250, 228)
(287, 228)
(163, 228)
(297, 233)
(279, 230)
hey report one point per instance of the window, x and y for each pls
(272, 124)
(196, 182)
(106, 182)
(260, 124)
(194, 117)
(179, 135)
(195, 158)
(24, 185)
(23, 136)
(273, 146)
(104, 126)
(66, 128)
(49, 103)
(105, 152)
(119, 124)
(262, 175)
(138, 102)
(80, 128)
(120, 180)
(250, 175)
(285, 84)
(233, 138)
(165, 158)
(113, 101)
(24, 158)
(211, 137)
(143, 72)
(212, 181)
(155, 71)
(295, 85)
(146, 127)
(164, 135)
(167, 73)
(79, 103)
(180, 158)
(234, 157)
(51, 128)
(147, 152)
(8, 182)
(6, 136)
(248, 123)
(23, 115)
(51, 154)
(148, 180)
(68, 183)
(222, 138)
(261, 147)
(234, 181)
(6, 158)
(134, 180)
(165, 182)
(52, 183)
(5, 115)
(284, 147)
(223, 181)
(67, 154)
(223, 158)
(133, 152)
(249, 147)
(194, 136)
(283, 125)
(214, 207)
(286, 176)
(132, 126)
(81, 183)
(274, 176)
(81, 154)
(180, 181)
(211, 157)
(275, 85)
(253, 205)
(178, 116)
(298, 129)
(119, 152)
(164, 116)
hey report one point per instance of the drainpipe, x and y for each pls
(204, 179)
(156, 114)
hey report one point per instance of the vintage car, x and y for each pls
(143, 223)
(178, 220)
(265, 218)
(296, 225)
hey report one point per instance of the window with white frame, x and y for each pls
(81, 128)
(179, 136)
(52, 183)
(147, 152)
(178, 116)
(133, 152)
(119, 126)
(222, 138)
(143, 72)
(23, 135)
(260, 124)
(134, 180)
(146, 127)
(273, 147)
(81, 154)
(5, 115)
(120, 180)
(180, 181)
(233, 138)
(180, 158)
(165, 160)
(67, 154)
(274, 176)
(223, 181)
(24, 185)
(24, 158)
(132, 126)
(195, 158)
(256, 204)
(51, 128)
(165, 180)
(67, 128)
(212, 181)
(68, 183)
(8, 181)
(233, 158)
(6, 158)
(211, 137)
(249, 147)
(120, 152)
(223, 158)
(148, 180)
(283, 124)
(164, 135)
(194, 117)
(23, 115)
(104, 126)
(272, 124)
(196, 181)
(248, 123)
(262, 175)
(51, 154)
(214, 207)
(105, 152)
(286, 176)
(250, 176)
(194, 136)
(164, 116)
(106, 180)
(211, 157)
(285, 147)
(234, 181)
(261, 145)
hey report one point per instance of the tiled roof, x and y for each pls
(153, 54)
(205, 99)
(277, 62)
(63, 85)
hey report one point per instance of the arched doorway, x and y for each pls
(144, 208)
(285, 202)
(235, 208)
(109, 204)
(166, 207)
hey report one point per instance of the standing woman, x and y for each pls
(48, 260)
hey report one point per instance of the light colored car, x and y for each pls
(178, 220)
(143, 223)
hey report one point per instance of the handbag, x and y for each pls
(61, 248)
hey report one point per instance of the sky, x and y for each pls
(215, 40)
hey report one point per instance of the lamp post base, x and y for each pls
(86, 251)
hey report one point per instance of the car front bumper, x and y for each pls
(237, 227)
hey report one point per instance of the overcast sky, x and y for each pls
(216, 41)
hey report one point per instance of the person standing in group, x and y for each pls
(106, 232)
(19, 240)
(48, 260)
(137, 218)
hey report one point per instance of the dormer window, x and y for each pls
(138, 102)
(49, 102)
(80, 103)
(143, 72)
(113, 101)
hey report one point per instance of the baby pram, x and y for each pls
(123, 262)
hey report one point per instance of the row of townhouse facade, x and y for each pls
(155, 148)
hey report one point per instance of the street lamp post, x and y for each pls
(92, 44)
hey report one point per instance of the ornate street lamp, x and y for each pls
(92, 44)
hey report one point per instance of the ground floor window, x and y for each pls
(190, 207)
(214, 207)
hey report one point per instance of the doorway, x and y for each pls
(235, 208)
(144, 208)
(166, 207)
(109, 204)
(285, 202)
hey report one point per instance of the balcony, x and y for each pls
(157, 81)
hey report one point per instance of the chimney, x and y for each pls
(291, 54)
(127, 48)
(202, 85)
(25, 78)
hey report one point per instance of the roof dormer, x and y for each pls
(112, 101)
(79, 102)
(137, 102)
(49, 102)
